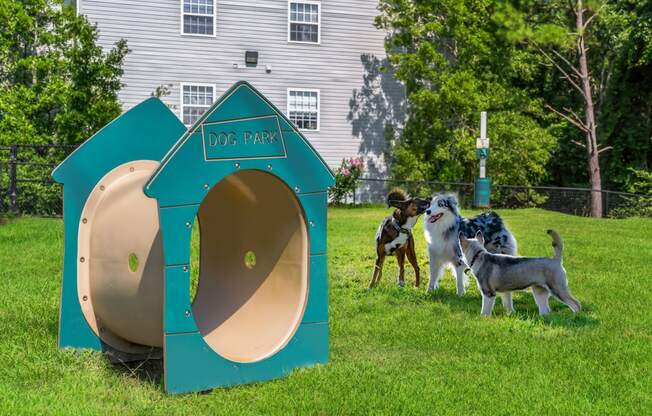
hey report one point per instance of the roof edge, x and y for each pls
(57, 173)
(182, 140)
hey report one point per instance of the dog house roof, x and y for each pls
(145, 132)
(241, 130)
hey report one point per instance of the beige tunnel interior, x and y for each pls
(253, 276)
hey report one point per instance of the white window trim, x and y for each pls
(194, 84)
(318, 3)
(182, 13)
(77, 7)
(318, 107)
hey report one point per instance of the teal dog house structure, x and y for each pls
(258, 191)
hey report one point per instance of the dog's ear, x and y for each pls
(479, 237)
(423, 202)
(454, 205)
(463, 241)
(399, 204)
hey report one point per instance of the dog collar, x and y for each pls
(475, 257)
(400, 229)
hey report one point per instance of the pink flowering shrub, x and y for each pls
(346, 177)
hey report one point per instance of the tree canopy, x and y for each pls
(57, 85)
(460, 57)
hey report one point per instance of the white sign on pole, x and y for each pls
(483, 141)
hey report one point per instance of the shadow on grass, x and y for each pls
(467, 303)
(525, 309)
(471, 303)
(560, 315)
(395, 296)
(148, 371)
(146, 367)
(6, 219)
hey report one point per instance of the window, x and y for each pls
(73, 3)
(303, 22)
(303, 108)
(198, 17)
(195, 100)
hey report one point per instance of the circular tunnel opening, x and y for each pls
(253, 266)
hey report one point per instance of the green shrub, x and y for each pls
(639, 182)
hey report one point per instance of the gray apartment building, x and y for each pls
(319, 61)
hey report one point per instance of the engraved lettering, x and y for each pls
(212, 139)
(249, 138)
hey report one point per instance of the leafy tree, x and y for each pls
(560, 31)
(598, 78)
(625, 107)
(457, 58)
(454, 66)
(57, 85)
(636, 206)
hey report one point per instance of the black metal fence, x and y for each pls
(26, 187)
(575, 201)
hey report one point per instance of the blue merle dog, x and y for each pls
(443, 223)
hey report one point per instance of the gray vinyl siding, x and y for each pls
(160, 55)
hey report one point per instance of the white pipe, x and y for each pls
(483, 125)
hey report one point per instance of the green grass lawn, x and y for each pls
(393, 351)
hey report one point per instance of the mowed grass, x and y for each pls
(393, 351)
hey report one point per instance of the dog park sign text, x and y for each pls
(248, 138)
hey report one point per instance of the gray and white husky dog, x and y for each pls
(499, 273)
(442, 225)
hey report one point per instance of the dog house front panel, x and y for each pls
(259, 191)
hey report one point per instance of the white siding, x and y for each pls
(161, 55)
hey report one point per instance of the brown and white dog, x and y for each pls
(394, 236)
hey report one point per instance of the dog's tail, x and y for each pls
(557, 244)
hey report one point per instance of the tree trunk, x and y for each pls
(589, 115)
